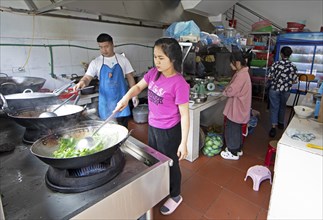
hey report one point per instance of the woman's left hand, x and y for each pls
(182, 151)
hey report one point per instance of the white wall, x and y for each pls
(18, 29)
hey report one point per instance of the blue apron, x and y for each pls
(112, 88)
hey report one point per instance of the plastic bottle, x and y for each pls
(219, 30)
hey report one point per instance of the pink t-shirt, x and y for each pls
(238, 105)
(164, 96)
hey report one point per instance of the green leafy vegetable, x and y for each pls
(66, 148)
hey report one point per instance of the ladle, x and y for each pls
(52, 113)
(88, 142)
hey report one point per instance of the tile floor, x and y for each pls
(214, 188)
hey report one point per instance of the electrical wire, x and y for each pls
(32, 43)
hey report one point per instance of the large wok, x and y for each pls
(17, 84)
(29, 117)
(43, 148)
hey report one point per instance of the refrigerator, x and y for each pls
(307, 57)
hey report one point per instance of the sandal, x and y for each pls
(170, 205)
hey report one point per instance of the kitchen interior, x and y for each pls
(46, 47)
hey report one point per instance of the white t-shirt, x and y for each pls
(96, 64)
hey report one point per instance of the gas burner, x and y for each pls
(83, 179)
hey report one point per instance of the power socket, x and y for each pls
(18, 70)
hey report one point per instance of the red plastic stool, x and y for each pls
(272, 147)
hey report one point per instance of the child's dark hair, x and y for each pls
(104, 38)
(286, 51)
(244, 57)
(172, 50)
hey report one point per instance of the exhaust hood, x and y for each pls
(150, 13)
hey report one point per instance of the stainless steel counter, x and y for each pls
(26, 196)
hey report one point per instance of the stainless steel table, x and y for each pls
(145, 178)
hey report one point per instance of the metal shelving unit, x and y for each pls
(259, 67)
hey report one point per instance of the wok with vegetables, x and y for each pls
(67, 148)
(58, 150)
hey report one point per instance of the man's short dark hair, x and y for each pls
(104, 38)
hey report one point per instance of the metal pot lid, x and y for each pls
(29, 94)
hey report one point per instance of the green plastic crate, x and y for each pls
(258, 63)
(265, 29)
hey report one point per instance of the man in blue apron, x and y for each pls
(111, 69)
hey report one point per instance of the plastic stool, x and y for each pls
(258, 174)
(272, 147)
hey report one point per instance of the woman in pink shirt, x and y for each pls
(168, 96)
(238, 106)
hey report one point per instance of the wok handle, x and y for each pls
(6, 75)
(4, 102)
(9, 84)
(5, 106)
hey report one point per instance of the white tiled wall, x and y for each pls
(66, 59)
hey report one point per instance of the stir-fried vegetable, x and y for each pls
(67, 149)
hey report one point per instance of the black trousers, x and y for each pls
(167, 141)
(233, 136)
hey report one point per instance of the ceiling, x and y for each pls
(150, 13)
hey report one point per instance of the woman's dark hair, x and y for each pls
(104, 38)
(286, 51)
(172, 50)
(244, 57)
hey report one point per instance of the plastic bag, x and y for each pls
(183, 28)
(213, 144)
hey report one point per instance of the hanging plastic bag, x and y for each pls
(183, 28)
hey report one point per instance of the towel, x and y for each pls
(298, 135)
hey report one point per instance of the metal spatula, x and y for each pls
(52, 113)
(88, 142)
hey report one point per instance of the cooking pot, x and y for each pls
(17, 84)
(29, 117)
(43, 148)
(28, 98)
(140, 113)
(88, 90)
